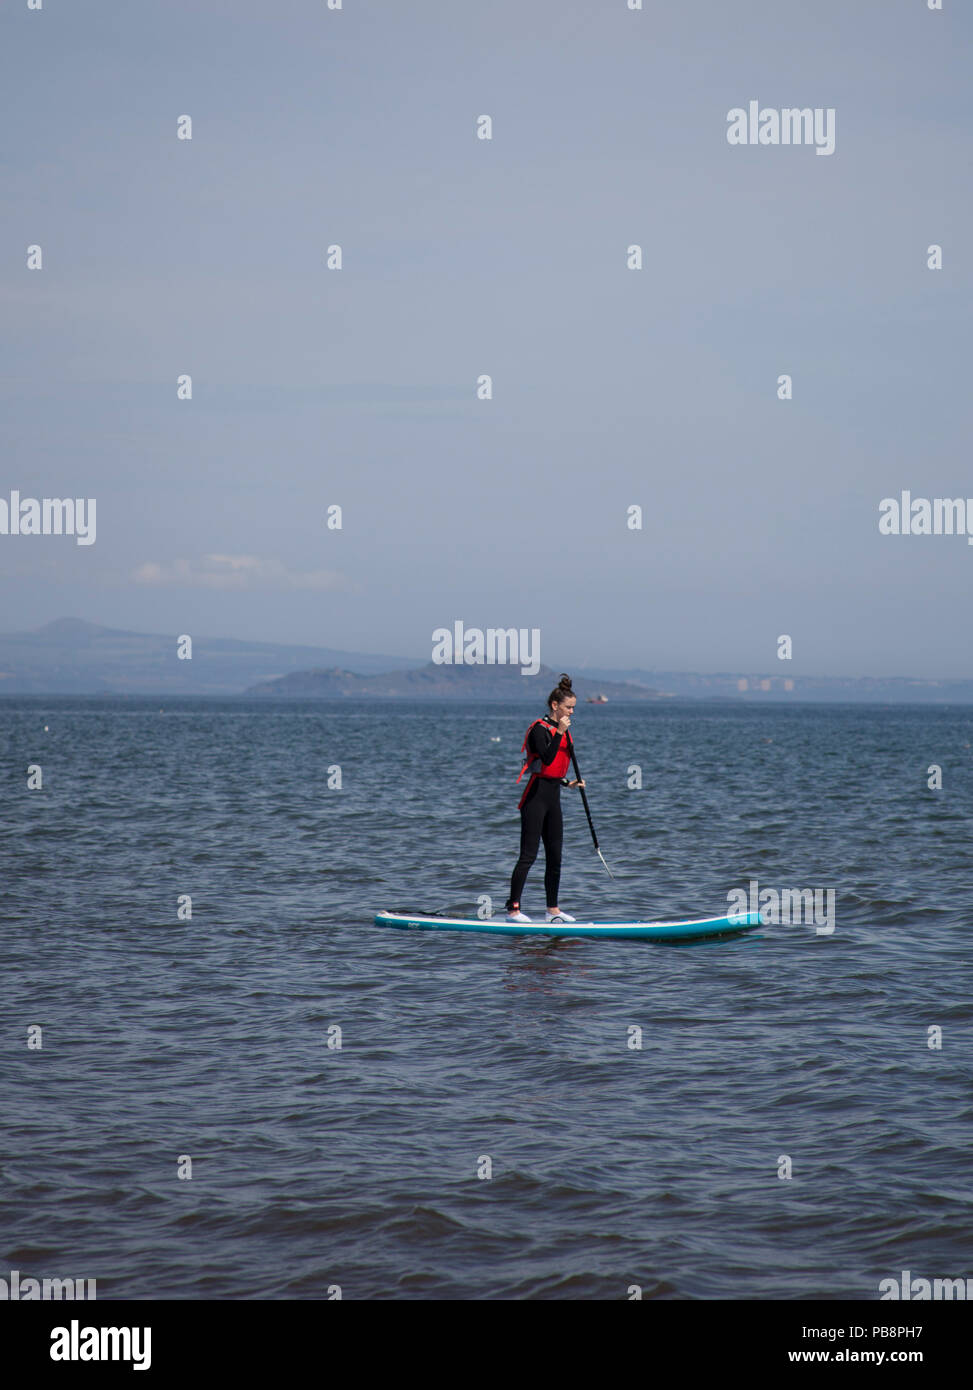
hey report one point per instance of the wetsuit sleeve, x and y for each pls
(543, 744)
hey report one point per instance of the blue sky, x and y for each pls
(461, 257)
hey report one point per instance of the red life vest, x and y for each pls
(555, 769)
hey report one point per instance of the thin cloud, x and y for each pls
(237, 573)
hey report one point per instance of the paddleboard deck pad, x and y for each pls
(609, 931)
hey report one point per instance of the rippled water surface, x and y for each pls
(314, 1166)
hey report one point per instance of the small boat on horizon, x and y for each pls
(597, 700)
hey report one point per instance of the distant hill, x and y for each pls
(432, 682)
(73, 657)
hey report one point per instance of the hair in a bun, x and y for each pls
(561, 690)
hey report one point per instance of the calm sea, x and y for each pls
(362, 1166)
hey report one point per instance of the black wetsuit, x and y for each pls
(540, 817)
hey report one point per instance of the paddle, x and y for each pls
(587, 811)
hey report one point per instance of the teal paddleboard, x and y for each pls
(608, 931)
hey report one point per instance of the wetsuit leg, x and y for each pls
(531, 819)
(553, 832)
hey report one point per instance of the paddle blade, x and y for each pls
(602, 858)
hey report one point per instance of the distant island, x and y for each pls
(432, 682)
(73, 657)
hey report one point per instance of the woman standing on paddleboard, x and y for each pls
(547, 747)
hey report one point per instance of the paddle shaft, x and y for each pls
(584, 799)
(587, 808)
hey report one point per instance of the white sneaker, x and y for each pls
(517, 916)
(559, 916)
